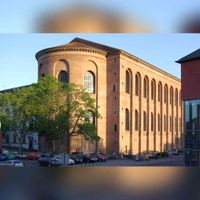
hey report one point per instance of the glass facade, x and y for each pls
(192, 132)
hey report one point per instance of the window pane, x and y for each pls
(89, 82)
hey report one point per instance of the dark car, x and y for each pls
(100, 157)
(113, 156)
(154, 155)
(77, 157)
(93, 157)
(45, 160)
(3, 157)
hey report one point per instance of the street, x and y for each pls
(174, 161)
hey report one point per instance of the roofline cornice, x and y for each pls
(149, 65)
(63, 49)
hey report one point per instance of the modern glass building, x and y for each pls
(190, 79)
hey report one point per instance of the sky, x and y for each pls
(22, 15)
(19, 66)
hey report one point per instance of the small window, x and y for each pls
(14, 139)
(113, 88)
(7, 139)
(115, 127)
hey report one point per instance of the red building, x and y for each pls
(190, 79)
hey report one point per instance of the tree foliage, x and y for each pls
(51, 108)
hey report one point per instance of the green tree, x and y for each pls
(53, 109)
(15, 111)
(61, 111)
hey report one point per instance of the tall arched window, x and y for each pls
(144, 121)
(152, 122)
(159, 91)
(136, 120)
(170, 123)
(128, 81)
(176, 97)
(89, 82)
(165, 123)
(159, 125)
(171, 95)
(153, 89)
(180, 99)
(63, 76)
(145, 87)
(136, 85)
(127, 120)
(165, 94)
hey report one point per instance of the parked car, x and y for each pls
(12, 163)
(175, 151)
(10, 156)
(93, 157)
(33, 156)
(54, 162)
(45, 160)
(138, 157)
(162, 154)
(77, 157)
(4, 151)
(101, 157)
(114, 156)
(3, 157)
(20, 155)
(60, 159)
(154, 155)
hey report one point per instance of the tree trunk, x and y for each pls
(54, 146)
(20, 143)
(68, 143)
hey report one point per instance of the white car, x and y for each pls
(5, 151)
(64, 158)
(12, 163)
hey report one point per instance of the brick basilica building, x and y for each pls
(140, 104)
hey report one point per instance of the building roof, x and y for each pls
(192, 56)
(77, 43)
(95, 45)
(11, 89)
